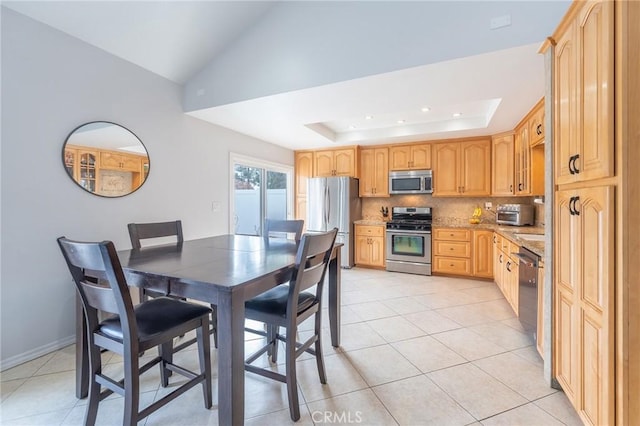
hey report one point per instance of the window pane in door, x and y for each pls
(276, 195)
(248, 200)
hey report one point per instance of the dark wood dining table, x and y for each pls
(224, 270)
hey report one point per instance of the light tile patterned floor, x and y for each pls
(416, 351)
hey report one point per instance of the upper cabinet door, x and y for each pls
(503, 168)
(381, 177)
(566, 106)
(344, 162)
(446, 171)
(324, 163)
(421, 156)
(304, 170)
(475, 178)
(374, 172)
(584, 62)
(399, 157)
(410, 157)
(536, 125)
(596, 91)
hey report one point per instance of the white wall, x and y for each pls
(51, 83)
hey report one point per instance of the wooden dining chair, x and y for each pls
(101, 285)
(288, 305)
(146, 231)
(280, 227)
(154, 230)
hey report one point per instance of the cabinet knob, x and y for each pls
(539, 129)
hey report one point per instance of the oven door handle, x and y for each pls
(405, 231)
(526, 260)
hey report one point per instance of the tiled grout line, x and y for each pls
(381, 299)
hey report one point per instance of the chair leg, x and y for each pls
(318, 349)
(95, 365)
(272, 338)
(165, 351)
(131, 389)
(292, 381)
(204, 355)
(214, 324)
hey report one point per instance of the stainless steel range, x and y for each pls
(409, 240)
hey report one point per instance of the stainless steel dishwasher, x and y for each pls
(528, 292)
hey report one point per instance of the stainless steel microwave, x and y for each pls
(411, 182)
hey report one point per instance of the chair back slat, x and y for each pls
(99, 280)
(99, 297)
(283, 227)
(143, 231)
(312, 260)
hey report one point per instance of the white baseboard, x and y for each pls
(36, 353)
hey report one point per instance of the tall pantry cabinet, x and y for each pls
(590, 334)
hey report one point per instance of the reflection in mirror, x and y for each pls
(105, 159)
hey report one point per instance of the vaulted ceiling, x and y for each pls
(310, 74)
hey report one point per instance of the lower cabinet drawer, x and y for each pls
(452, 265)
(452, 248)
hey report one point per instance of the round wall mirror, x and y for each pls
(105, 159)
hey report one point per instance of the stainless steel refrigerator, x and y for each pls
(333, 202)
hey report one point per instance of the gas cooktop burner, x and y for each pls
(411, 218)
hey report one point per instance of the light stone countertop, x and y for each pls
(371, 222)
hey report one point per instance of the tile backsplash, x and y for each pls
(450, 208)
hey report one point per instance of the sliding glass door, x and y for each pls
(260, 191)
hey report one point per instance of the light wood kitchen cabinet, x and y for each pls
(502, 153)
(506, 269)
(462, 168)
(115, 161)
(93, 169)
(460, 251)
(497, 260)
(82, 164)
(522, 160)
(452, 251)
(410, 157)
(303, 171)
(338, 162)
(584, 327)
(584, 140)
(374, 172)
(370, 245)
(536, 124)
(585, 218)
(482, 253)
(528, 162)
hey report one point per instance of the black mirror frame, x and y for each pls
(64, 164)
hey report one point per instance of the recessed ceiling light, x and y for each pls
(368, 117)
(457, 114)
(426, 109)
(352, 126)
(400, 121)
